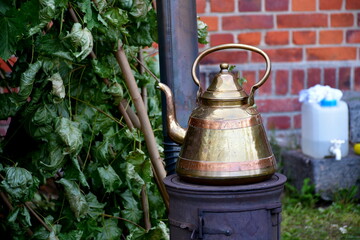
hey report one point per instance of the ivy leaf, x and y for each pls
(128, 200)
(134, 215)
(102, 124)
(51, 156)
(8, 108)
(116, 17)
(20, 214)
(158, 232)
(109, 178)
(142, 36)
(27, 82)
(156, 202)
(126, 4)
(101, 69)
(141, 163)
(19, 184)
(116, 90)
(85, 6)
(72, 235)
(101, 5)
(90, 228)
(43, 115)
(133, 134)
(4, 6)
(11, 29)
(81, 175)
(81, 37)
(46, 13)
(101, 151)
(133, 179)
(52, 45)
(70, 134)
(77, 200)
(110, 231)
(95, 208)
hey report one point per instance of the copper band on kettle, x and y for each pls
(187, 164)
(225, 124)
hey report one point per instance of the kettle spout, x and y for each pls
(175, 131)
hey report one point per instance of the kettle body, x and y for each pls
(225, 142)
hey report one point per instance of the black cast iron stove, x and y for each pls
(249, 212)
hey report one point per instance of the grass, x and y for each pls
(305, 218)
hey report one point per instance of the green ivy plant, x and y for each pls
(70, 166)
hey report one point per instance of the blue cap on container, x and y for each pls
(328, 103)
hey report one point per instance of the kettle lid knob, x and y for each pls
(224, 67)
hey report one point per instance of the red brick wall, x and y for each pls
(5, 68)
(308, 41)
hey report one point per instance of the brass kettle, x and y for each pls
(225, 142)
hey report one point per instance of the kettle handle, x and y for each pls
(239, 46)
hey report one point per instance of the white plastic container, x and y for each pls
(322, 123)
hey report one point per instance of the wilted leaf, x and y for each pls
(19, 184)
(58, 88)
(109, 178)
(139, 8)
(202, 29)
(77, 201)
(81, 37)
(70, 134)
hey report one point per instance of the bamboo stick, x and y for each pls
(132, 115)
(145, 207)
(126, 116)
(143, 89)
(158, 167)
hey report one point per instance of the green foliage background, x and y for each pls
(68, 153)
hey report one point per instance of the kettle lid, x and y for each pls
(225, 87)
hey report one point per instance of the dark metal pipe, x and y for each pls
(178, 48)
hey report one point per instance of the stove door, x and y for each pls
(256, 224)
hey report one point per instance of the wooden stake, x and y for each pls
(146, 128)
